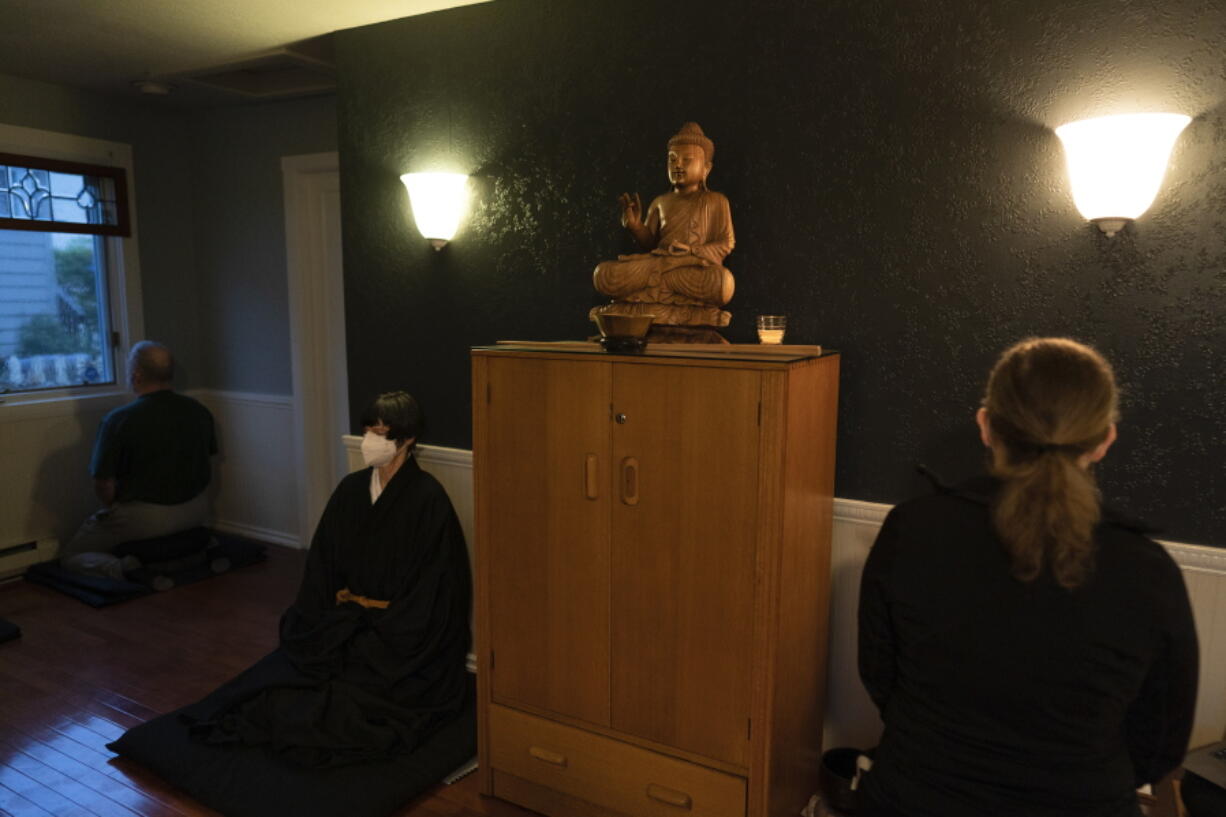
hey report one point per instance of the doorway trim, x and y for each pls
(316, 329)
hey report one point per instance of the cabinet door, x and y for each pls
(546, 472)
(683, 555)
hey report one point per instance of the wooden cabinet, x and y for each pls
(653, 551)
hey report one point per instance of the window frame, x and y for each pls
(117, 175)
(123, 285)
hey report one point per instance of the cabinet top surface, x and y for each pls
(729, 352)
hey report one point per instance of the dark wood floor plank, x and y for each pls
(134, 798)
(146, 781)
(18, 806)
(77, 791)
(80, 676)
(47, 799)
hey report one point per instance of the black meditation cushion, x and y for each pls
(249, 781)
(8, 630)
(166, 548)
(98, 591)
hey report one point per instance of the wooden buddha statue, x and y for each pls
(679, 277)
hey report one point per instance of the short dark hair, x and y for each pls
(399, 412)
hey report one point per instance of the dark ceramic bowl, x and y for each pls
(837, 771)
(624, 326)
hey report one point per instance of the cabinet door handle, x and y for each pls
(630, 481)
(590, 477)
(548, 756)
(668, 796)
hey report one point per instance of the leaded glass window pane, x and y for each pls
(91, 198)
(45, 196)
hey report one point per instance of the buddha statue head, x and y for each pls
(689, 158)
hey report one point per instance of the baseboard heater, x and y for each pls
(14, 559)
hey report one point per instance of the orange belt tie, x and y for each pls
(343, 595)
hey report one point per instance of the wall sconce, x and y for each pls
(438, 201)
(1116, 163)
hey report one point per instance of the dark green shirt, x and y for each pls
(157, 449)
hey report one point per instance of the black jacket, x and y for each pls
(1003, 697)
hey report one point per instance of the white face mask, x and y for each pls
(377, 450)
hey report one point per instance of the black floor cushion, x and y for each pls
(166, 548)
(248, 781)
(8, 630)
(97, 591)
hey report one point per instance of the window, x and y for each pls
(64, 244)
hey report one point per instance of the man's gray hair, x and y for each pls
(153, 360)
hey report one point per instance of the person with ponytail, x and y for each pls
(1031, 651)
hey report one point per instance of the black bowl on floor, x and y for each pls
(837, 772)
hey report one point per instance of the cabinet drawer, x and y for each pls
(607, 772)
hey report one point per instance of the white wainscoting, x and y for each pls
(851, 718)
(255, 480)
(44, 466)
(45, 446)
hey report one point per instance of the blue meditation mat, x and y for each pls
(249, 781)
(97, 591)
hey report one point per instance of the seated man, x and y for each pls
(150, 467)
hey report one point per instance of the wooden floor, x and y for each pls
(78, 677)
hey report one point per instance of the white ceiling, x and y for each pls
(104, 45)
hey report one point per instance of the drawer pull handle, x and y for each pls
(547, 756)
(670, 797)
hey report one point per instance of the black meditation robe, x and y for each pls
(361, 683)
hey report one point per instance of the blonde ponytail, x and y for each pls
(1049, 403)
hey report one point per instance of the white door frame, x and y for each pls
(316, 329)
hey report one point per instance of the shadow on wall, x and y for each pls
(63, 492)
(851, 716)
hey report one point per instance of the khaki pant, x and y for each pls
(89, 550)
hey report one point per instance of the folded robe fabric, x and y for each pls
(371, 682)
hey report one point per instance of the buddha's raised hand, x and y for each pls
(632, 210)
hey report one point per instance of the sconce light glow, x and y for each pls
(438, 201)
(1116, 163)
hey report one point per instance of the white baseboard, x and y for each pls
(851, 719)
(258, 533)
(15, 558)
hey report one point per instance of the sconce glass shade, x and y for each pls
(439, 201)
(1116, 163)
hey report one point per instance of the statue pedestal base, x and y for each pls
(623, 345)
(684, 334)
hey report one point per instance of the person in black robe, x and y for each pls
(373, 650)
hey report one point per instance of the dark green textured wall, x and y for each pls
(896, 189)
